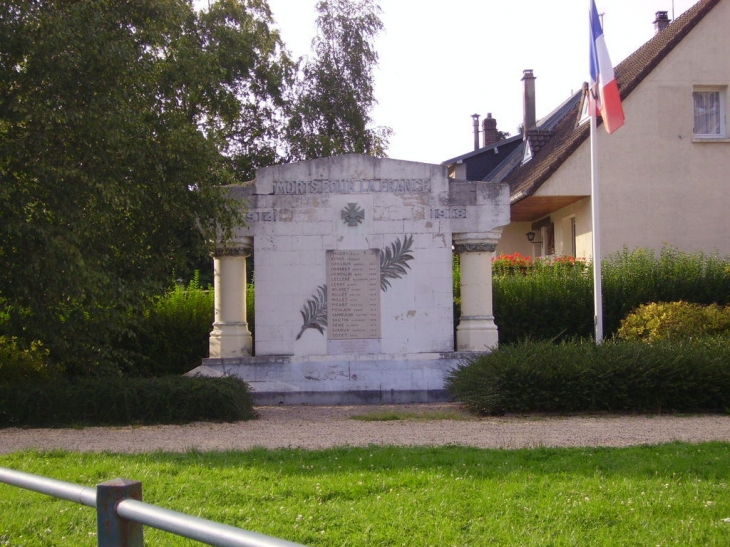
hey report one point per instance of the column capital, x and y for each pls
(476, 242)
(238, 247)
(232, 251)
(484, 247)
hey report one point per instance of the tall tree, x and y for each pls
(119, 123)
(333, 97)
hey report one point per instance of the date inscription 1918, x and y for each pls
(448, 212)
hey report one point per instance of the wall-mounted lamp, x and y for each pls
(531, 238)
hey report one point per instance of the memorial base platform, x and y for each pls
(341, 379)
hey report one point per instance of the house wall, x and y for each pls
(514, 240)
(657, 186)
(458, 171)
(581, 211)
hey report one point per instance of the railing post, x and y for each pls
(112, 530)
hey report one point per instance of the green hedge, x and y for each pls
(547, 300)
(664, 320)
(632, 278)
(542, 299)
(123, 401)
(172, 335)
(542, 376)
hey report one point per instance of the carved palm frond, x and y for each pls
(394, 261)
(314, 312)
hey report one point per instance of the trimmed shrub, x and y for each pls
(125, 401)
(658, 321)
(541, 376)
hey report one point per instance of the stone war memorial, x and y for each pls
(353, 277)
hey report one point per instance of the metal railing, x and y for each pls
(121, 514)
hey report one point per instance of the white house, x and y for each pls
(664, 176)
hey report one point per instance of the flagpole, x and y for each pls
(606, 98)
(597, 287)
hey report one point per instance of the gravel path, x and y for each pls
(322, 427)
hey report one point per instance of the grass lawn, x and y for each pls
(673, 494)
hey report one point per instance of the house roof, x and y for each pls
(485, 164)
(480, 162)
(478, 151)
(568, 135)
(545, 126)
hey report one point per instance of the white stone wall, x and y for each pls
(401, 201)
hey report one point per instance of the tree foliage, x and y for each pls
(119, 123)
(334, 94)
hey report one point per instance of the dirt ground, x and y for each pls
(314, 427)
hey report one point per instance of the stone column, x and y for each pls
(230, 336)
(476, 330)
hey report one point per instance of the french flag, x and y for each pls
(604, 89)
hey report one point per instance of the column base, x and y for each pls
(477, 333)
(229, 340)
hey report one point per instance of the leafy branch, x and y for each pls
(394, 261)
(393, 265)
(314, 312)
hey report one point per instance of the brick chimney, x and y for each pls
(661, 21)
(489, 130)
(529, 119)
(475, 118)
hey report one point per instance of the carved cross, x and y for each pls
(353, 214)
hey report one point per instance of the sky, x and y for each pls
(443, 60)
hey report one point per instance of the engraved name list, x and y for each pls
(353, 301)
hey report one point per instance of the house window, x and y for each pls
(709, 112)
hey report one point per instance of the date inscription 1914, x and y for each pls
(261, 216)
